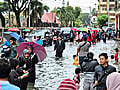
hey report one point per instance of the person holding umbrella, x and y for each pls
(35, 53)
(33, 61)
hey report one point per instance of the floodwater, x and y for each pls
(51, 72)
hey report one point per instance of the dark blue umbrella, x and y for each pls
(8, 35)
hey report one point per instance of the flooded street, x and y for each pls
(51, 72)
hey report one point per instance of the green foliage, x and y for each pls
(3, 8)
(84, 17)
(102, 20)
(38, 8)
(68, 16)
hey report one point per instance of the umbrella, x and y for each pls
(8, 35)
(83, 29)
(25, 30)
(67, 84)
(36, 34)
(94, 30)
(13, 29)
(39, 50)
(75, 29)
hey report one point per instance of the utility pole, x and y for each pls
(108, 12)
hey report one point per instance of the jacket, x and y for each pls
(29, 65)
(14, 78)
(101, 74)
(88, 67)
(58, 46)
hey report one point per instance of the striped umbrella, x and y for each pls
(67, 84)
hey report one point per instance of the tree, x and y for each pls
(37, 10)
(77, 12)
(84, 17)
(102, 20)
(3, 8)
(18, 6)
(68, 15)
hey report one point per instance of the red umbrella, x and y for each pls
(39, 50)
(75, 29)
(67, 84)
(13, 29)
(94, 30)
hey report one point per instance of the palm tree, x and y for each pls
(37, 10)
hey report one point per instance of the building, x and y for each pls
(103, 9)
(117, 15)
(50, 18)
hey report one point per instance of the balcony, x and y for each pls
(112, 3)
(112, 16)
(103, 3)
(112, 11)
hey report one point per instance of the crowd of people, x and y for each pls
(20, 70)
(95, 74)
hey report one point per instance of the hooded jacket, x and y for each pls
(113, 81)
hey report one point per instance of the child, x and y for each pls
(77, 77)
(76, 61)
(116, 56)
(112, 58)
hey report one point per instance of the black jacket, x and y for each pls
(89, 65)
(14, 78)
(29, 65)
(58, 46)
(101, 74)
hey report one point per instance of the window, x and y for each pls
(104, 9)
(111, 9)
(104, 0)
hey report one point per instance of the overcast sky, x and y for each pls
(84, 4)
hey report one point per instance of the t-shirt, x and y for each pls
(5, 85)
(84, 49)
